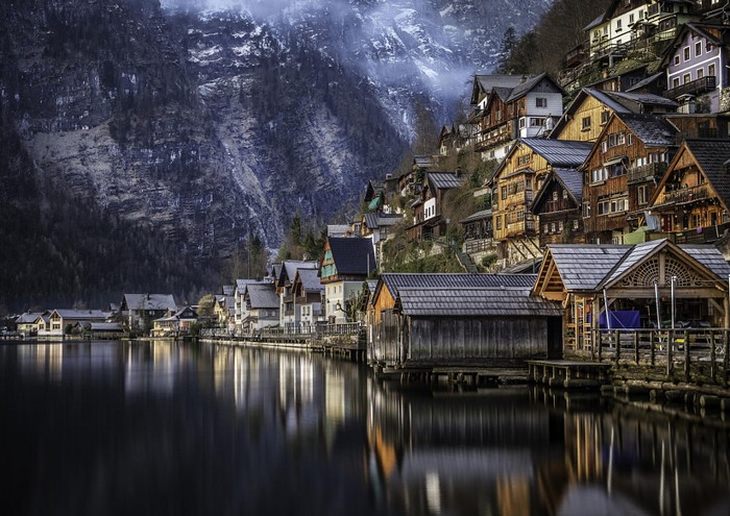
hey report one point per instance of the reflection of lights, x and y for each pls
(433, 492)
(334, 396)
(42, 359)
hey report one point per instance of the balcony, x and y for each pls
(646, 172)
(496, 136)
(696, 87)
(686, 195)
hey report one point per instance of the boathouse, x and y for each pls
(471, 326)
(639, 284)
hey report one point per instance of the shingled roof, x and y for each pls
(353, 256)
(309, 278)
(479, 215)
(653, 131)
(474, 302)
(560, 153)
(261, 296)
(569, 178)
(149, 302)
(445, 180)
(713, 156)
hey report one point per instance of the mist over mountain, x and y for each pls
(195, 125)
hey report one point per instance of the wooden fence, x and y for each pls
(680, 350)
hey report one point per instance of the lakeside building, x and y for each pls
(289, 312)
(239, 294)
(175, 323)
(27, 323)
(140, 310)
(262, 305)
(64, 321)
(308, 292)
(429, 221)
(346, 264)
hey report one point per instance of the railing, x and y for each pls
(696, 87)
(644, 172)
(695, 353)
(474, 246)
(684, 195)
(290, 330)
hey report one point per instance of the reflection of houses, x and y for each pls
(428, 219)
(139, 310)
(579, 276)
(627, 161)
(514, 184)
(693, 196)
(175, 323)
(460, 320)
(346, 264)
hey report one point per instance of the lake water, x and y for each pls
(162, 428)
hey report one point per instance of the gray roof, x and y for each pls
(583, 267)
(375, 220)
(524, 267)
(396, 281)
(423, 161)
(711, 155)
(645, 82)
(28, 317)
(475, 302)
(480, 215)
(524, 88)
(560, 153)
(588, 267)
(572, 180)
(310, 280)
(292, 266)
(262, 296)
(652, 130)
(445, 180)
(353, 256)
(648, 99)
(228, 290)
(597, 21)
(105, 326)
(152, 302)
(490, 81)
(82, 315)
(338, 229)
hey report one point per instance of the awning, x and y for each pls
(614, 161)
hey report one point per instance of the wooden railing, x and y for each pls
(677, 350)
(644, 172)
(685, 195)
(696, 87)
(290, 330)
(473, 246)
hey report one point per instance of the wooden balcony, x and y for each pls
(492, 137)
(646, 172)
(686, 195)
(696, 87)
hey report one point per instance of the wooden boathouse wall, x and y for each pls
(406, 341)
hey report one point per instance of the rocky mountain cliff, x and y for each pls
(196, 127)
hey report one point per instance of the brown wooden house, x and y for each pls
(694, 194)
(621, 172)
(514, 184)
(558, 208)
(588, 114)
(428, 220)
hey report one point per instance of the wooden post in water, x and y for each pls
(712, 356)
(670, 344)
(636, 347)
(686, 356)
(599, 336)
(726, 352)
(618, 345)
(652, 351)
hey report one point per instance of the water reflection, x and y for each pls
(158, 427)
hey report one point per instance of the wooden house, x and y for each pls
(308, 292)
(697, 67)
(176, 323)
(693, 196)
(239, 300)
(478, 232)
(379, 228)
(557, 206)
(581, 277)
(289, 313)
(262, 308)
(465, 327)
(409, 183)
(514, 184)
(621, 172)
(346, 264)
(529, 109)
(588, 114)
(428, 219)
(140, 310)
(700, 125)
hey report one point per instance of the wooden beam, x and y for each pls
(679, 293)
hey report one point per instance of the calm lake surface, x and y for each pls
(162, 428)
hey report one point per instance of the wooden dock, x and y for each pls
(569, 374)
(463, 376)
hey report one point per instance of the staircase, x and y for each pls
(466, 262)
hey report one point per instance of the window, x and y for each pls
(686, 54)
(629, 139)
(711, 70)
(675, 82)
(676, 60)
(552, 227)
(599, 174)
(522, 123)
(605, 115)
(686, 78)
(504, 192)
(575, 225)
(524, 159)
(545, 229)
(565, 194)
(586, 209)
(555, 195)
(618, 25)
(586, 123)
(708, 47)
(541, 102)
(560, 226)
(631, 18)
(698, 48)
(499, 221)
(700, 73)
(537, 122)
(641, 194)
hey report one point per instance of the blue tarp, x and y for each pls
(621, 319)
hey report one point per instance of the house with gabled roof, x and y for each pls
(289, 312)
(692, 200)
(588, 113)
(308, 292)
(514, 184)
(176, 323)
(140, 310)
(345, 265)
(630, 279)
(526, 110)
(262, 305)
(27, 323)
(239, 298)
(62, 321)
(379, 227)
(620, 174)
(428, 220)
(557, 206)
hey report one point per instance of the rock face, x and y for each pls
(209, 126)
